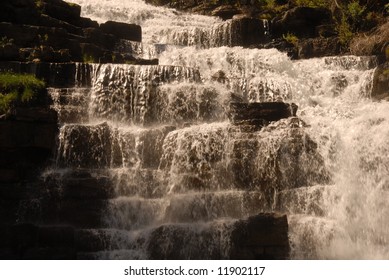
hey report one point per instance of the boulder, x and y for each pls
(225, 11)
(301, 21)
(61, 10)
(260, 113)
(240, 31)
(319, 47)
(100, 38)
(264, 236)
(381, 82)
(121, 30)
(86, 23)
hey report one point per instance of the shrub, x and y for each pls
(291, 38)
(88, 58)
(313, 3)
(18, 88)
(6, 41)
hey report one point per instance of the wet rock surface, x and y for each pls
(260, 113)
(248, 239)
(146, 151)
(381, 82)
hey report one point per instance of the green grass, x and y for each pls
(18, 88)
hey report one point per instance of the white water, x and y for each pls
(352, 131)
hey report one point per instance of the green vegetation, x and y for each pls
(6, 41)
(39, 3)
(18, 88)
(43, 39)
(291, 38)
(313, 3)
(345, 32)
(88, 58)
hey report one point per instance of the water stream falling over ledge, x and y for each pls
(158, 141)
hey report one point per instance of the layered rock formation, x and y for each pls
(54, 31)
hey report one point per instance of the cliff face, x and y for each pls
(59, 215)
(54, 31)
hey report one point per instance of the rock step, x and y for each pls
(264, 236)
(105, 146)
(134, 213)
(260, 113)
(54, 74)
(57, 25)
(74, 96)
(71, 104)
(306, 200)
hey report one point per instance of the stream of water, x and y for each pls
(161, 134)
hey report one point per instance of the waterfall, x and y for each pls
(179, 169)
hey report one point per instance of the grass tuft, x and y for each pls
(18, 88)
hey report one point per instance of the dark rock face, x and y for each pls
(225, 12)
(61, 10)
(381, 82)
(27, 142)
(54, 74)
(301, 21)
(260, 113)
(63, 35)
(241, 31)
(264, 236)
(126, 31)
(319, 47)
(276, 157)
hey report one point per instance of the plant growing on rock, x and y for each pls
(6, 41)
(313, 3)
(18, 88)
(291, 39)
(88, 58)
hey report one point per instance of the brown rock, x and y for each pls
(61, 10)
(264, 236)
(225, 11)
(242, 31)
(9, 52)
(49, 21)
(260, 113)
(99, 38)
(319, 47)
(381, 82)
(301, 21)
(121, 30)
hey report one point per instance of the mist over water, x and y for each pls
(346, 218)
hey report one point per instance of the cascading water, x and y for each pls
(160, 135)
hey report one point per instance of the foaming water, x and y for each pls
(161, 133)
(159, 25)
